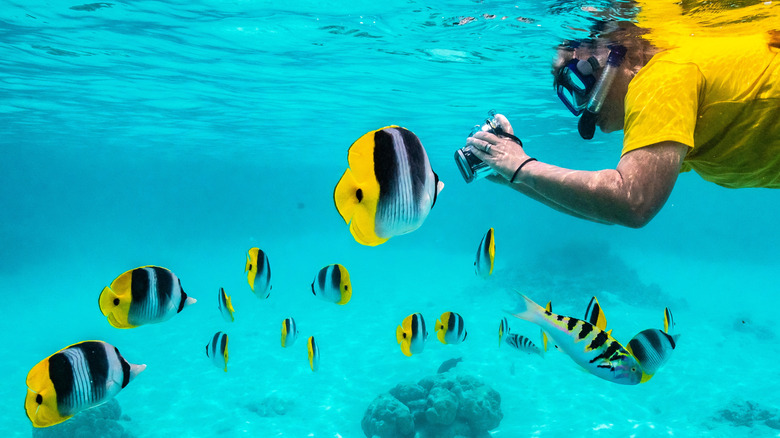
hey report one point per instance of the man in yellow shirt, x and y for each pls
(712, 106)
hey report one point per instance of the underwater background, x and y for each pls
(183, 133)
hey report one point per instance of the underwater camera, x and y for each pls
(471, 167)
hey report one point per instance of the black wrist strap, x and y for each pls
(511, 181)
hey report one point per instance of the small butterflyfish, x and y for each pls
(314, 354)
(503, 330)
(258, 272)
(411, 334)
(289, 332)
(652, 348)
(332, 284)
(217, 350)
(450, 328)
(78, 377)
(145, 295)
(486, 255)
(521, 343)
(225, 306)
(668, 321)
(589, 346)
(389, 187)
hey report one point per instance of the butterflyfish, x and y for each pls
(450, 328)
(217, 350)
(332, 284)
(521, 343)
(411, 334)
(258, 272)
(389, 187)
(145, 295)
(668, 321)
(225, 306)
(289, 332)
(652, 348)
(589, 346)
(486, 255)
(503, 330)
(78, 377)
(314, 354)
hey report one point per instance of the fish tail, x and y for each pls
(527, 309)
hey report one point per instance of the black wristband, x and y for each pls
(511, 181)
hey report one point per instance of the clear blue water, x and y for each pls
(183, 133)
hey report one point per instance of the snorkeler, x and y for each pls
(711, 106)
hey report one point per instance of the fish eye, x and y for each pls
(346, 287)
(404, 335)
(116, 301)
(38, 399)
(359, 194)
(250, 266)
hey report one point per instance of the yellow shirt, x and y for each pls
(719, 96)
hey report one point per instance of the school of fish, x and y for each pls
(388, 190)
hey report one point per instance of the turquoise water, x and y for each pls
(181, 134)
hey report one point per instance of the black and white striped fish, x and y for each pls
(78, 377)
(389, 187)
(521, 343)
(314, 354)
(332, 284)
(145, 295)
(217, 350)
(652, 348)
(450, 329)
(412, 334)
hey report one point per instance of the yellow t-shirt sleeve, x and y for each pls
(662, 105)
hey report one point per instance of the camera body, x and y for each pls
(471, 167)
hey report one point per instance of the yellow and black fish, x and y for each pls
(289, 332)
(217, 350)
(332, 284)
(503, 330)
(225, 306)
(78, 377)
(258, 271)
(486, 255)
(652, 348)
(314, 354)
(450, 328)
(589, 346)
(411, 334)
(668, 321)
(145, 295)
(389, 187)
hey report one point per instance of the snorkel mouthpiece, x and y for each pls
(587, 124)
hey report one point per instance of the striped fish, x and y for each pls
(589, 346)
(411, 334)
(78, 377)
(258, 271)
(389, 187)
(450, 328)
(503, 330)
(225, 306)
(314, 354)
(668, 321)
(652, 348)
(217, 350)
(486, 254)
(521, 343)
(289, 332)
(145, 295)
(332, 284)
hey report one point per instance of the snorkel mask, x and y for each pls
(582, 94)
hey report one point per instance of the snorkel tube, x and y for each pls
(587, 123)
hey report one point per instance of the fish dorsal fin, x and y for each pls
(595, 315)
